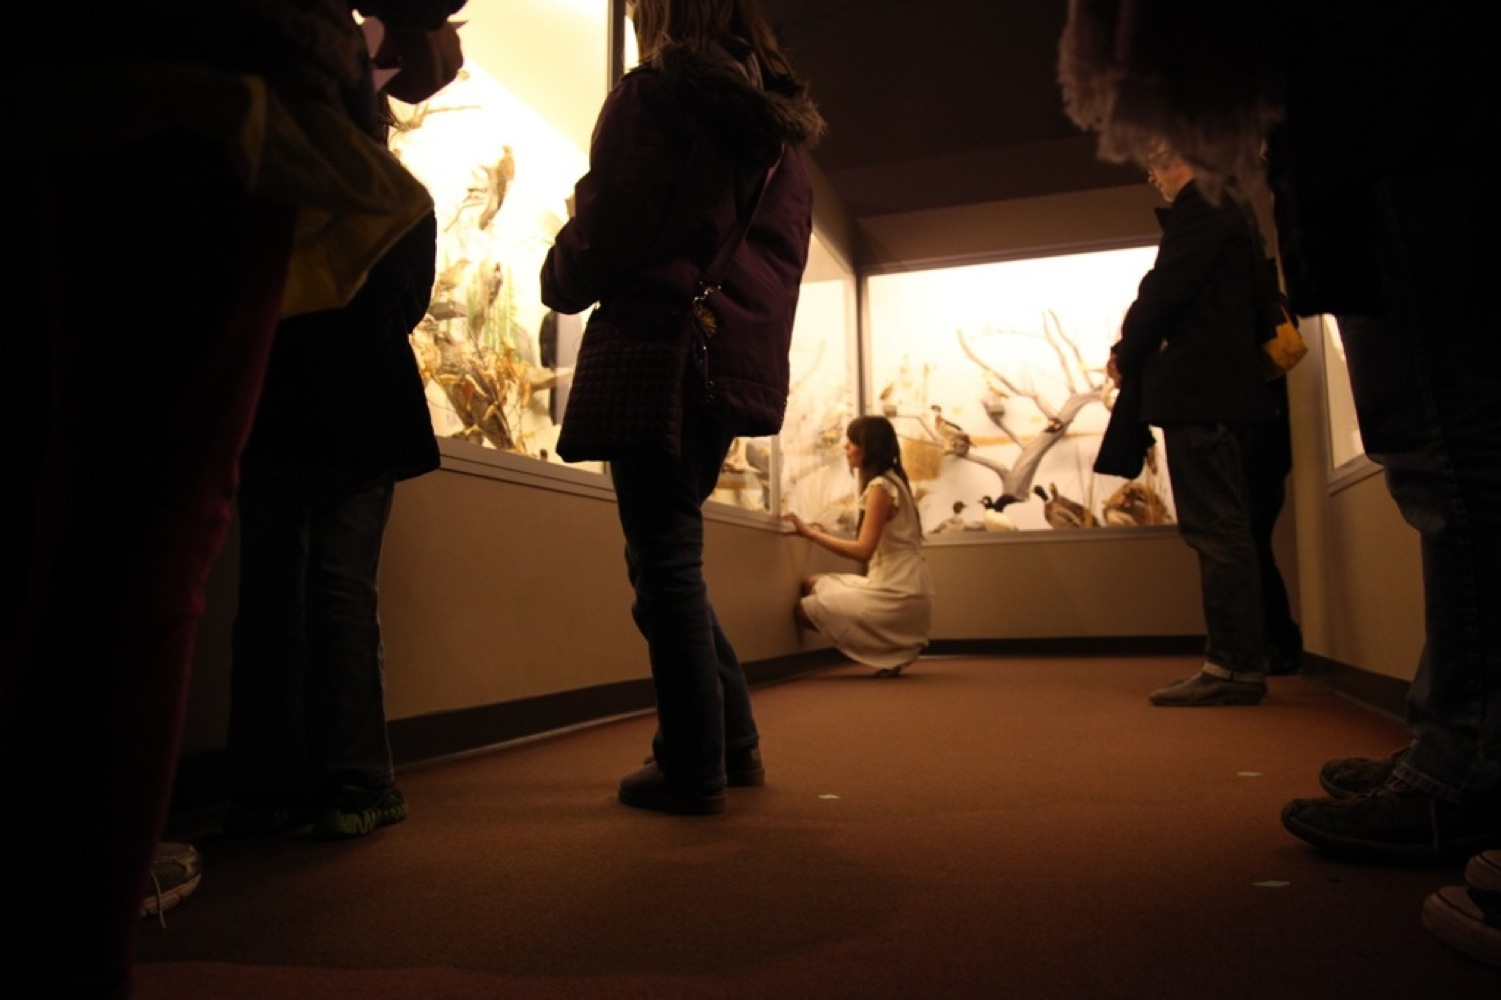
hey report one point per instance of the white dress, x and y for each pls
(884, 618)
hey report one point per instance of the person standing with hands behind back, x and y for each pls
(1190, 338)
(883, 618)
(686, 144)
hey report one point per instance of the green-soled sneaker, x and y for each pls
(355, 812)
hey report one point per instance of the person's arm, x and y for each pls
(1185, 259)
(619, 204)
(878, 510)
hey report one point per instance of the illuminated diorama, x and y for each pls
(1345, 444)
(994, 375)
(500, 158)
(813, 477)
(493, 358)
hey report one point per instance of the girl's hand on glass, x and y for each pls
(798, 524)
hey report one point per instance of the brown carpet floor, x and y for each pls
(980, 827)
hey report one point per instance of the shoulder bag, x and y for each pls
(631, 377)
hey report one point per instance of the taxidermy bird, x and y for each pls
(448, 278)
(955, 440)
(1061, 512)
(955, 523)
(1134, 503)
(490, 281)
(497, 179)
(994, 404)
(445, 309)
(996, 518)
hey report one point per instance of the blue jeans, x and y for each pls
(1426, 380)
(307, 685)
(703, 701)
(1209, 492)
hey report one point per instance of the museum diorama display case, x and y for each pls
(500, 150)
(994, 375)
(992, 372)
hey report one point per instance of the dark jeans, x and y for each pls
(703, 701)
(1205, 465)
(125, 399)
(1266, 451)
(307, 687)
(1426, 381)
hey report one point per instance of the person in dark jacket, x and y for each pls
(1379, 199)
(712, 118)
(1190, 337)
(156, 209)
(342, 418)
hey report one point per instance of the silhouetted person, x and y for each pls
(711, 121)
(155, 218)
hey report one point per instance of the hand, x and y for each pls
(798, 525)
(1113, 370)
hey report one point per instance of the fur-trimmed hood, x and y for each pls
(724, 95)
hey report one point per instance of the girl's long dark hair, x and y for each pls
(880, 453)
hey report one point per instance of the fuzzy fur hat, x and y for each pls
(1200, 76)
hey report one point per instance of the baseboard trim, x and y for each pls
(1378, 692)
(443, 736)
(1109, 645)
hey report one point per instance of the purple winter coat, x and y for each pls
(679, 149)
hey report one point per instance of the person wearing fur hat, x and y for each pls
(1377, 188)
(696, 193)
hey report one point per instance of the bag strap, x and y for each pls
(702, 322)
(717, 271)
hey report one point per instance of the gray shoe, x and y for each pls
(175, 873)
(1204, 689)
(1484, 872)
(1347, 776)
(1466, 919)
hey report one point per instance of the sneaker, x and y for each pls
(175, 874)
(742, 768)
(354, 812)
(649, 788)
(1347, 776)
(1205, 689)
(265, 819)
(1467, 919)
(1396, 824)
(1484, 871)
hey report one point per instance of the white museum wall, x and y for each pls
(1358, 566)
(1128, 582)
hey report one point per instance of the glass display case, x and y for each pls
(1345, 445)
(814, 478)
(500, 149)
(994, 375)
(992, 372)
